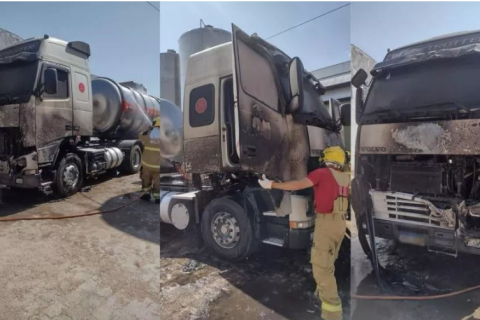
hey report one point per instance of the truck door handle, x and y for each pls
(68, 127)
(250, 151)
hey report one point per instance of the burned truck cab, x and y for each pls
(45, 96)
(249, 109)
(417, 144)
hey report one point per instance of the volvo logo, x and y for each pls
(373, 149)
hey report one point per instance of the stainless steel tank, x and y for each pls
(197, 40)
(171, 134)
(118, 112)
(8, 39)
(170, 76)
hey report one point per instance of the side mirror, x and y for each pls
(51, 81)
(358, 105)
(359, 78)
(345, 115)
(296, 84)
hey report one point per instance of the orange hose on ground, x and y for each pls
(435, 297)
(85, 214)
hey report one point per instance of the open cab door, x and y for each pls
(261, 126)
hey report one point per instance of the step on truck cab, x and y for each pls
(249, 109)
(58, 123)
(418, 156)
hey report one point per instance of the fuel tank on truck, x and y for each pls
(171, 134)
(118, 112)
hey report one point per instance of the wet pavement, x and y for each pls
(98, 267)
(414, 271)
(273, 284)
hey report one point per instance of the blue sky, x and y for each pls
(320, 43)
(377, 26)
(123, 36)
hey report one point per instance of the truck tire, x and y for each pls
(69, 177)
(133, 160)
(228, 230)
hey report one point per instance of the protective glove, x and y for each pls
(265, 183)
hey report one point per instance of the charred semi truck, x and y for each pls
(59, 124)
(418, 153)
(249, 109)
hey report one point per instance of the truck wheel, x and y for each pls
(133, 160)
(227, 229)
(69, 178)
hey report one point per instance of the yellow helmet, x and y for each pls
(156, 122)
(334, 155)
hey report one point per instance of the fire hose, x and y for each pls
(85, 214)
(433, 297)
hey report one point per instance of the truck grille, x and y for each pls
(401, 208)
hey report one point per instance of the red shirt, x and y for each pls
(325, 188)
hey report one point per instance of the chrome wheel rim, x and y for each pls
(71, 175)
(225, 230)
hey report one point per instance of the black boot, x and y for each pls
(145, 197)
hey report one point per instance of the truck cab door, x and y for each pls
(54, 115)
(260, 122)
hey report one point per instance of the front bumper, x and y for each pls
(434, 238)
(19, 181)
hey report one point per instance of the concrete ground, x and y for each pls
(273, 284)
(99, 267)
(414, 271)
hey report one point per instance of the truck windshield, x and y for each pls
(433, 88)
(17, 80)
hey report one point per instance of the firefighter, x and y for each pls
(150, 172)
(331, 188)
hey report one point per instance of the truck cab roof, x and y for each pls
(212, 61)
(442, 37)
(52, 49)
(449, 46)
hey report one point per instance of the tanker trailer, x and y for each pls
(58, 123)
(171, 136)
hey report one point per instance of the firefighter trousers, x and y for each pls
(327, 239)
(150, 182)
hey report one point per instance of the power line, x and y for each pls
(153, 6)
(301, 24)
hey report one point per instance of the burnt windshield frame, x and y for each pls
(397, 89)
(17, 81)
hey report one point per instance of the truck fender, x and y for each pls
(126, 145)
(59, 148)
(247, 201)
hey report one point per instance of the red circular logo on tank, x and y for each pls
(81, 87)
(201, 105)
